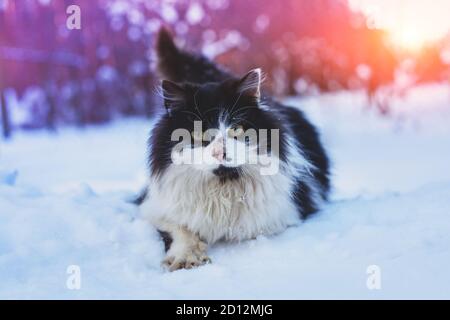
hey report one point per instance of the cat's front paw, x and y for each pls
(186, 257)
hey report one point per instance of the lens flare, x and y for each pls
(411, 24)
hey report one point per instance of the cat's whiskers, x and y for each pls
(236, 102)
(242, 109)
(193, 113)
(212, 109)
(248, 121)
(195, 101)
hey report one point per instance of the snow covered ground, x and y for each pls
(63, 203)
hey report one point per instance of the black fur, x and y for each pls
(167, 239)
(180, 66)
(208, 90)
(140, 198)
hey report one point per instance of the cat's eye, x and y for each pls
(197, 135)
(236, 131)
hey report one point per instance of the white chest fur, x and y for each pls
(235, 210)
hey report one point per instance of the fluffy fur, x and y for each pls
(224, 198)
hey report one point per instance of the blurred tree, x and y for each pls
(104, 70)
(5, 121)
(85, 76)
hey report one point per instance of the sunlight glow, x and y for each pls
(410, 23)
(409, 38)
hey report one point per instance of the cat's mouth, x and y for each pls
(227, 173)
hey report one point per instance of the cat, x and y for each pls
(226, 161)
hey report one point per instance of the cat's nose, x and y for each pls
(218, 150)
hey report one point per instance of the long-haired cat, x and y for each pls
(226, 162)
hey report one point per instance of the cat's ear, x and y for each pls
(174, 95)
(250, 84)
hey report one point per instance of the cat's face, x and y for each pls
(217, 127)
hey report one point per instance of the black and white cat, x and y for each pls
(226, 162)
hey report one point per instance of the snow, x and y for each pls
(63, 203)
